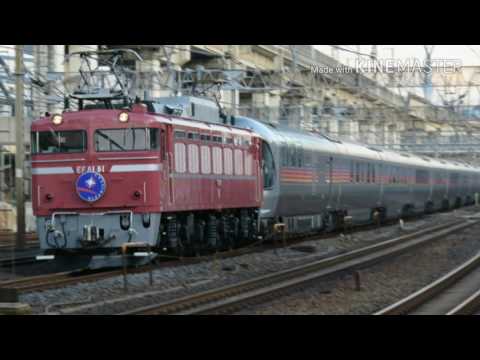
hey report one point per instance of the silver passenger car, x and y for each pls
(312, 182)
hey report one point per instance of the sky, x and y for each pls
(469, 54)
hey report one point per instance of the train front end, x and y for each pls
(96, 180)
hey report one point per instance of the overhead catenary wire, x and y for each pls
(231, 57)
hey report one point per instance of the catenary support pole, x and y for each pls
(20, 147)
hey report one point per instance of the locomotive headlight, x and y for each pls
(57, 119)
(123, 117)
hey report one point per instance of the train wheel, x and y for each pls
(172, 231)
(199, 238)
(212, 236)
(244, 225)
(226, 233)
(429, 207)
(383, 214)
(253, 228)
(407, 211)
(445, 205)
(458, 202)
(377, 216)
(173, 235)
(330, 221)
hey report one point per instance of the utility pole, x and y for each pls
(427, 81)
(20, 147)
(374, 58)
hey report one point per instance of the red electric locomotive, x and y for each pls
(105, 178)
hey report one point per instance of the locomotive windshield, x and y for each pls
(50, 142)
(268, 166)
(133, 139)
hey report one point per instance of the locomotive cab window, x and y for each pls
(52, 142)
(133, 139)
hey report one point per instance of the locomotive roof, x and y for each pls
(178, 121)
(102, 117)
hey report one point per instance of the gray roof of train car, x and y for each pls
(318, 141)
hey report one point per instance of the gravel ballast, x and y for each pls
(107, 296)
(381, 284)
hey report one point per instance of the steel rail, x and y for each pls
(44, 282)
(470, 306)
(17, 261)
(433, 290)
(49, 281)
(230, 297)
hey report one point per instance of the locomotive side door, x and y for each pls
(166, 143)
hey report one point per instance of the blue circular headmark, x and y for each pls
(90, 186)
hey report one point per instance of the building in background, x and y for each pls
(274, 83)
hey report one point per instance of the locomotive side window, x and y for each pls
(206, 161)
(193, 163)
(248, 163)
(193, 136)
(217, 160)
(180, 160)
(153, 138)
(268, 166)
(51, 142)
(228, 161)
(133, 139)
(238, 162)
(179, 134)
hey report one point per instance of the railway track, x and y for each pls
(8, 237)
(456, 293)
(50, 281)
(56, 280)
(230, 298)
(28, 245)
(17, 261)
(7, 240)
